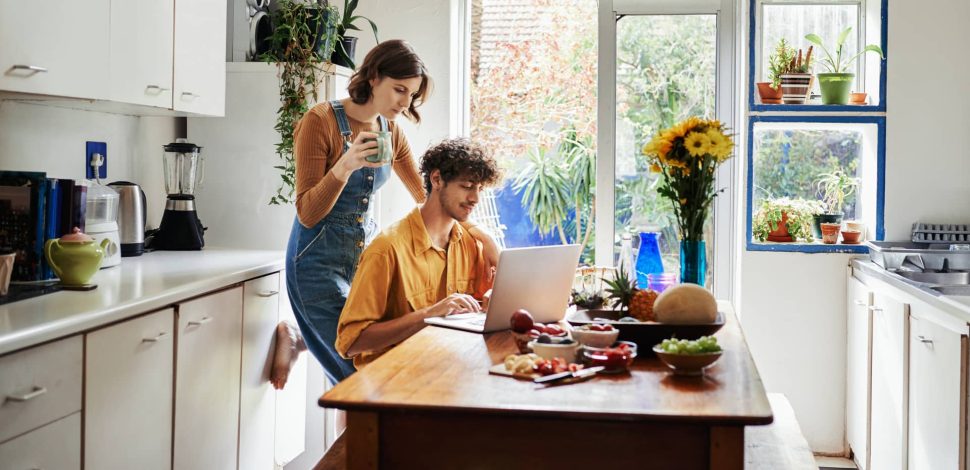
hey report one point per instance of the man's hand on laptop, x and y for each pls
(454, 303)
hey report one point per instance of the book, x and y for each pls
(66, 219)
(52, 220)
(23, 197)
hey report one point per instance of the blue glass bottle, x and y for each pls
(693, 262)
(648, 258)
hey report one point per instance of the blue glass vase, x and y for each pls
(693, 262)
(648, 258)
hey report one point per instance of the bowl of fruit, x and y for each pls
(525, 329)
(551, 347)
(688, 357)
(614, 359)
(597, 335)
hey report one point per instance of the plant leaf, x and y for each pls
(842, 37)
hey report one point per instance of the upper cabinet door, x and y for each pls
(56, 47)
(141, 52)
(200, 57)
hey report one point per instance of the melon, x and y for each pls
(686, 304)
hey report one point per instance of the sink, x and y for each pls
(957, 279)
(961, 290)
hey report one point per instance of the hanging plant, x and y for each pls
(303, 39)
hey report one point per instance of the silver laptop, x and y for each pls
(537, 279)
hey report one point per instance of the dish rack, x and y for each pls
(941, 233)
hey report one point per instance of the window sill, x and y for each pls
(816, 247)
(817, 108)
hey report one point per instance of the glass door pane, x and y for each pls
(665, 72)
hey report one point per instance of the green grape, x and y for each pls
(693, 348)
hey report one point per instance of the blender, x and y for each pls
(181, 228)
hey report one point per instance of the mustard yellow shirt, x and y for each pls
(402, 272)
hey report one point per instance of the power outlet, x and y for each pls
(91, 148)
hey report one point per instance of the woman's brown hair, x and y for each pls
(393, 59)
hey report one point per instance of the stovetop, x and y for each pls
(25, 291)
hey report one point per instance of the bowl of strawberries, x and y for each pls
(525, 330)
(597, 335)
(614, 359)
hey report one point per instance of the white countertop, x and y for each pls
(955, 305)
(138, 285)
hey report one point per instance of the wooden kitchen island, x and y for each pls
(431, 403)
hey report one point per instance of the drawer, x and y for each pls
(55, 446)
(40, 385)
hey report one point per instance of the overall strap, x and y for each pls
(342, 122)
(383, 121)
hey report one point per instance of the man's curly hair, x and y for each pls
(456, 158)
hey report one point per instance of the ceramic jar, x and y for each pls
(75, 257)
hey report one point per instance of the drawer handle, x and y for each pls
(187, 94)
(200, 321)
(268, 293)
(155, 339)
(156, 88)
(924, 340)
(32, 68)
(860, 303)
(36, 392)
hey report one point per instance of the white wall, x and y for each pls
(428, 26)
(793, 305)
(39, 137)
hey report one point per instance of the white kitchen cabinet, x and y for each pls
(858, 332)
(54, 446)
(56, 47)
(199, 61)
(890, 345)
(937, 393)
(128, 394)
(141, 52)
(257, 398)
(209, 331)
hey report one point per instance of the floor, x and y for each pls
(833, 463)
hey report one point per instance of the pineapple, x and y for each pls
(625, 294)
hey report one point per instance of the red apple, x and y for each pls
(521, 321)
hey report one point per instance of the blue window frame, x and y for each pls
(874, 184)
(754, 22)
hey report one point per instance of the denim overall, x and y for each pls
(321, 260)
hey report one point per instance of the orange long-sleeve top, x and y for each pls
(318, 145)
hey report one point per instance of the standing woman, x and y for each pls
(335, 185)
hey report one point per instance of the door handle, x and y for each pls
(860, 303)
(874, 309)
(924, 340)
(188, 94)
(34, 393)
(32, 68)
(156, 88)
(268, 293)
(200, 321)
(155, 339)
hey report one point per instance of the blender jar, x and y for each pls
(183, 167)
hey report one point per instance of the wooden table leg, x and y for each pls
(362, 440)
(727, 448)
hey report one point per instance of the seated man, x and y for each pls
(425, 264)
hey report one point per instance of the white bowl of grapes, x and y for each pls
(688, 357)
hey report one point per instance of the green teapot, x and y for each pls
(74, 257)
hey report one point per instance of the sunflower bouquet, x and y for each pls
(687, 156)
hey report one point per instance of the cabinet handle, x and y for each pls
(36, 392)
(200, 321)
(268, 293)
(190, 95)
(860, 303)
(924, 340)
(874, 309)
(32, 68)
(155, 339)
(156, 88)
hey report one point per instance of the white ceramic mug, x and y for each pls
(6, 269)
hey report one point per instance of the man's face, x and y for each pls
(459, 196)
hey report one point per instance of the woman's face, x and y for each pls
(393, 96)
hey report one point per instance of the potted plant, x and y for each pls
(784, 220)
(833, 189)
(344, 52)
(835, 84)
(770, 91)
(303, 35)
(795, 76)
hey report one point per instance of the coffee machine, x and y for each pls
(181, 228)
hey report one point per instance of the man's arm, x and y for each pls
(384, 334)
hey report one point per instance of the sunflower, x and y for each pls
(685, 127)
(655, 168)
(697, 144)
(721, 145)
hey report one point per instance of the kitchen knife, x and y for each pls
(562, 375)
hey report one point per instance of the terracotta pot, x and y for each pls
(851, 237)
(781, 235)
(830, 233)
(857, 226)
(768, 94)
(858, 98)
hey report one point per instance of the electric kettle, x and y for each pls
(131, 217)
